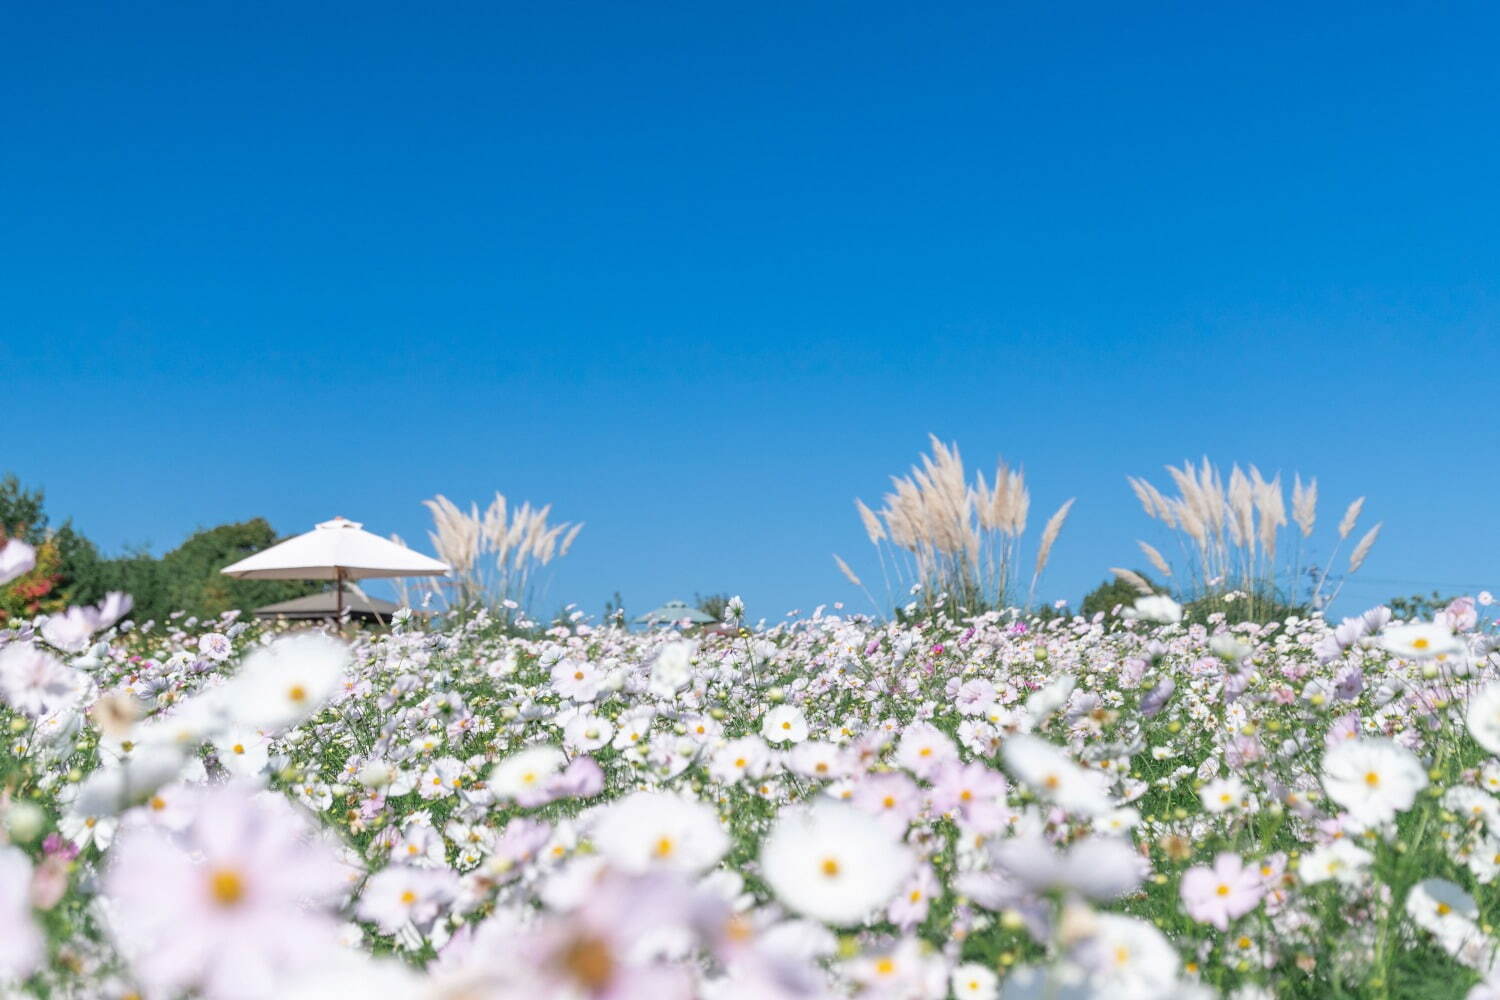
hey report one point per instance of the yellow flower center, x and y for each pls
(1222, 890)
(408, 897)
(226, 886)
(1444, 909)
(885, 966)
(1372, 779)
(663, 848)
(588, 961)
(297, 693)
(1420, 643)
(831, 867)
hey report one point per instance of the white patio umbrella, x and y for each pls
(336, 550)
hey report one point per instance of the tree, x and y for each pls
(1418, 607)
(62, 555)
(188, 577)
(713, 605)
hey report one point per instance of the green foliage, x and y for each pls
(1238, 606)
(70, 569)
(1418, 607)
(614, 609)
(21, 512)
(188, 577)
(60, 554)
(713, 605)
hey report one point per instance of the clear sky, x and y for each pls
(700, 274)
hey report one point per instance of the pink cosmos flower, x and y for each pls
(924, 748)
(1225, 892)
(231, 905)
(973, 791)
(892, 798)
(21, 943)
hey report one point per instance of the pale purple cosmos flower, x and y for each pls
(21, 945)
(16, 560)
(1225, 892)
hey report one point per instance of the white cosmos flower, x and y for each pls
(1157, 608)
(1484, 718)
(1128, 958)
(647, 830)
(1222, 794)
(1340, 861)
(284, 683)
(1373, 779)
(525, 773)
(35, 683)
(972, 981)
(1052, 774)
(1421, 641)
(672, 669)
(1445, 911)
(586, 732)
(784, 724)
(832, 863)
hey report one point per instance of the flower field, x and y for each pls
(1122, 807)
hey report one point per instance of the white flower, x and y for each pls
(1484, 718)
(1373, 779)
(647, 830)
(1222, 794)
(36, 683)
(71, 629)
(399, 895)
(586, 732)
(1229, 647)
(526, 773)
(1445, 911)
(284, 683)
(244, 753)
(832, 863)
(1128, 958)
(1340, 861)
(215, 646)
(972, 981)
(672, 669)
(1050, 698)
(1052, 774)
(784, 724)
(1156, 608)
(1421, 641)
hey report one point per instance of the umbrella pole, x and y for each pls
(338, 581)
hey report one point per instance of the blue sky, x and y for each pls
(698, 275)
